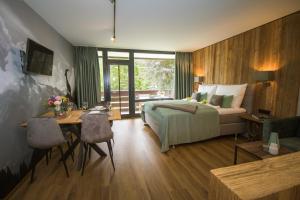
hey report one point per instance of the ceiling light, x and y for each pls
(113, 38)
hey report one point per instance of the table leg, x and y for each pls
(70, 150)
(235, 154)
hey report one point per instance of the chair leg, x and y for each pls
(33, 163)
(64, 161)
(84, 158)
(111, 153)
(71, 138)
(50, 154)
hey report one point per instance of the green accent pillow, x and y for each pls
(227, 101)
(202, 97)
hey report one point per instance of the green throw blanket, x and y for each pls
(178, 127)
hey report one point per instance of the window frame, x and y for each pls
(106, 72)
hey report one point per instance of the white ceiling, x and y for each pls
(172, 25)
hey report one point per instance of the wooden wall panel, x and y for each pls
(273, 46)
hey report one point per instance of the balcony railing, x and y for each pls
(140, 97)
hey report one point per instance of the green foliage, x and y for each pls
(154, 74)
(149, 74)
(114, 77)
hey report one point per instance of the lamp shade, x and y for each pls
(198, 79)
(264, 76)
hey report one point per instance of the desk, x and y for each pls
(276, 178)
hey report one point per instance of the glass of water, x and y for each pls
(85, 105)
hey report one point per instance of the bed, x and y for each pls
(176, 127)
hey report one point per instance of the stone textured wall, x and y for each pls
(23, 96)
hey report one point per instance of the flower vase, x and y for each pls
(57, 110)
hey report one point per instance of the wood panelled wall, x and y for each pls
(273, 46)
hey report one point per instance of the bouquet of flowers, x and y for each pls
(54, 101)
(58, 102)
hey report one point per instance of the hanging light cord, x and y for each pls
(114, 34)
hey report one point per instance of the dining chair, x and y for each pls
(96, 129)
(42, 135)
(67, 131)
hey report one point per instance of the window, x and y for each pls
(154, 77)
(100, 60)
(114, 55)
(130, 77)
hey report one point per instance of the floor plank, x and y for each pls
(142, 171)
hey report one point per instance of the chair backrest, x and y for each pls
(44, 133)
(95, 128)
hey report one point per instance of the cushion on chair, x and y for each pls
(292, 143)
(44, 133)
(95, 128)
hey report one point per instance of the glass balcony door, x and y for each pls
(119, 87)
(132, 77)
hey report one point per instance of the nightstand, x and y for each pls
(254, 126)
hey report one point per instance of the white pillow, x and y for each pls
(238, 92)
(209, 89)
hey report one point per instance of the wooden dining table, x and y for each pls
(73, 119)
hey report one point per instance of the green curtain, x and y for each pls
(183, 75)
(87, 75)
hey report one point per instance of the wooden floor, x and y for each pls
(142, 171)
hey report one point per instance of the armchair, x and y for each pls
(288, 130)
